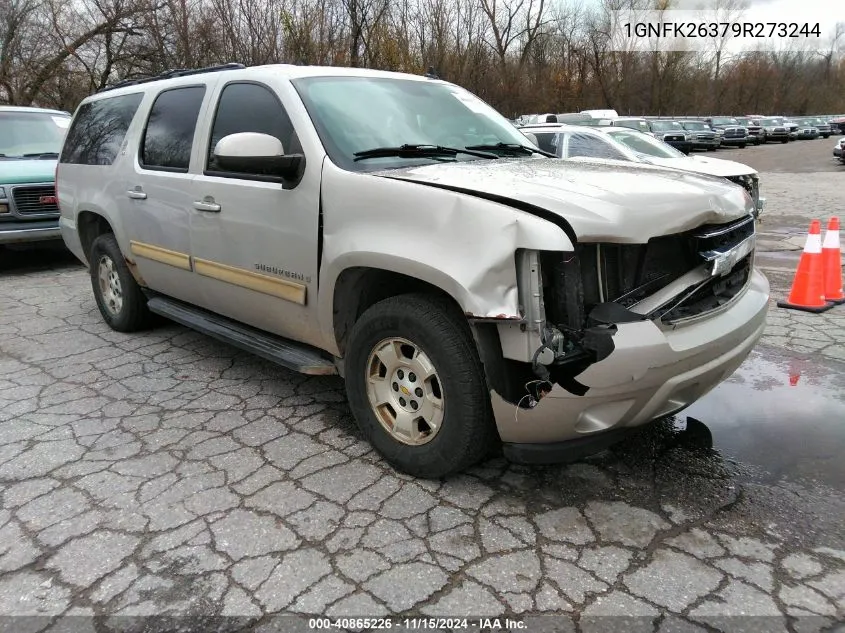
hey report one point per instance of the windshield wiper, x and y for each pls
(42, 155)
(418, 150)
(513, 148)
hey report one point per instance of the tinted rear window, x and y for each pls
(98, 130)
(169, 134)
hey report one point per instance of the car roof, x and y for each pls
(28, 109)
(256, 73)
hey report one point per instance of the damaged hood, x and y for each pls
(703, 165)
(602, 200)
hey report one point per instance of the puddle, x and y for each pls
(783, 416)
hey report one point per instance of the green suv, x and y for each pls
(30, 141)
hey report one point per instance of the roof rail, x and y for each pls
(170, 74)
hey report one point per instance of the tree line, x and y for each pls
(522, 56)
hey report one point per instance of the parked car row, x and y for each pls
(703, 133)
(548, 302)
(629, 144)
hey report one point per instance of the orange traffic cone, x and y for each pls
(807, 292)
(832, 258)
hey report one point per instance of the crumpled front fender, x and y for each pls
(459, 243)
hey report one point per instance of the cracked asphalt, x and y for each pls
(166, 474)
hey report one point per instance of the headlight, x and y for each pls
(2, 193)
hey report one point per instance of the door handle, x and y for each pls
(207, 204)
(136, 194)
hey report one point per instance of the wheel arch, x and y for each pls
(357, 287)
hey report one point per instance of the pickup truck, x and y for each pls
(30, 140)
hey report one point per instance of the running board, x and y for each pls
(296, 356)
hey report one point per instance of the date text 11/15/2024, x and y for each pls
(482, 625)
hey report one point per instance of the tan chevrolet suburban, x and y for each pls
(396, 230)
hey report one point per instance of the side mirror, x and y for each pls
(255, 153)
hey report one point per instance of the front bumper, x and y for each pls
(708, 142)
(745, 140)
(29, 231)
(683, 146)
(651, 373)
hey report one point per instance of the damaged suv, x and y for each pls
(398, 231)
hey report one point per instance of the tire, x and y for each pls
(742, 146)
(466, 431)
(786, 140)
(119, 297)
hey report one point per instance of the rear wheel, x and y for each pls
(786, 140)
(119, 297)
(742, 146)
(416, 386)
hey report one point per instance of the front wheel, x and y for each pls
(416, 386)
(119, 297)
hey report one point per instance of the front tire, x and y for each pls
(416, 386)
(119, 297)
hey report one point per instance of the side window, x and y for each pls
(250, 108)
(98, 130)
(546, 141)
(169, 134)
(589, 146)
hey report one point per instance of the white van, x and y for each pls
(601, 114)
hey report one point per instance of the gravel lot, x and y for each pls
(168, 474)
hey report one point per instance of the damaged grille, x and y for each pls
(625, 274)
(709, 296)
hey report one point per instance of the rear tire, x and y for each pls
(119, 297)
(411, 359)
(742, 146)
(786, 140)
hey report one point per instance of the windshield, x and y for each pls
(665, 126)
(770, 122)
(355, 114)
(633, 124)
(646, 145)
(31, 133)
(746, 122)
(695, 125)
(725, 121)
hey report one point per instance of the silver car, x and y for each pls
(396, 230)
